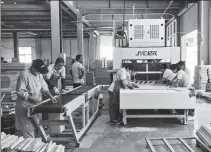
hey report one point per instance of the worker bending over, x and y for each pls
(55, 72)
(30, 88)
(182, 79)
(119, 81)
(168, 75)
(77, 72)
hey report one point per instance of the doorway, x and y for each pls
(189, 52)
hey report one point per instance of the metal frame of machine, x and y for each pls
(156, 97)
(59, 120)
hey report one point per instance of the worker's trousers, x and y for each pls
(114, 111)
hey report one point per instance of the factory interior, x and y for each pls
(105, 76)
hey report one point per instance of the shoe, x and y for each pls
(113, 122)
(191, 118)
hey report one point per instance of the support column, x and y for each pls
(80, 36)
(91, 50)
(98, 47)
(0, 69)
(203, 31)
(16, 45)
(56, 29)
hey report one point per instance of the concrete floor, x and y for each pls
(103, 137)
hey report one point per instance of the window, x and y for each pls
(25, 54)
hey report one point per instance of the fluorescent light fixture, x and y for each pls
(2, 2)
(96, 32)
(32, 33)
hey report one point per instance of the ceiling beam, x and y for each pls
(23, 6)
(25, 13)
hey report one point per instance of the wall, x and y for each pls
(8, 48)
(41, 48)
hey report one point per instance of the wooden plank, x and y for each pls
(9, 143)
(60, 139)
(168, 145)
(20, 146)
(33, 144)
(204, 146)
(19, 140)
(155, 116)
(40, 147)
(150, 145)
(27, 145)
(186, 145)
(53, 122)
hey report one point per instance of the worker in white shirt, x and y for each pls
(78, 72)
(184, 68)
(119, 81)
(168, 75)
(55, 72)
(182, 79)
(30, 88)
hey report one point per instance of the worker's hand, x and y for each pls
(56, 91)
(130, 87)
(64, 91)
(53, 99)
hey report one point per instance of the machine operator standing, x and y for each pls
(119, 81)
(77, 72)
(55, 72)
(30, 88)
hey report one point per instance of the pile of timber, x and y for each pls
(14, 66)
(90, 79)
(102, 77)
(200, 76)
(14, 143)
(204, 134)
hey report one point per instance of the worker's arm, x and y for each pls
(71, 73)
(63, 75)
(163, 80)
(177, 79)
(46, 90)
(22, 91)
(82, 70)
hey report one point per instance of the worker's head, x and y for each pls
(163, 67)
(79, 58)
(181, 65)
(174, 68)
(38, 67)
(2, 59)
(59, 63)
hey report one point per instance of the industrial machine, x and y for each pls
(145, 52)
(146, 49)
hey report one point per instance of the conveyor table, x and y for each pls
(150, 96)
(60, 113)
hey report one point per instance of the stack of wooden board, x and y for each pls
(90, 79)
(11, 143)
(14, 66)
(204, 134)
(102, 76)
(200, 76)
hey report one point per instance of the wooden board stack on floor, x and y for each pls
(11, 143)
(90, 79)
(102, 76)
(200, 76)
(204, 134)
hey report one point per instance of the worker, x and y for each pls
(77, 72)
(30, 88)
(184, 68)
(168, 75)
(119, 81)
(191, 112)
(182, 79)
(55, 72)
